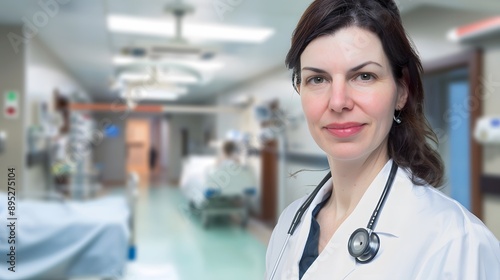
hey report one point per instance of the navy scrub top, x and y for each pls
(311, 248)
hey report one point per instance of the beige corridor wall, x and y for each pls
(12, 78)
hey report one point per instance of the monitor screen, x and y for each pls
(112, 131)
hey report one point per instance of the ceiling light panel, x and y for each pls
(158, 93)
(168, 78)
(196, 64)
(166, 28)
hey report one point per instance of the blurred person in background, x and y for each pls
(230, 154)
(153, 157)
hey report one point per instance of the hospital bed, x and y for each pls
(62, 239)
(217, 190)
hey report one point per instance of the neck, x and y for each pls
(351, 179)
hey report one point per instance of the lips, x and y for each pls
(344, 130)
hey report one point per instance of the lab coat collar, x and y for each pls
(336, 249)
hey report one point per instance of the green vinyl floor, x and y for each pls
(173, 245)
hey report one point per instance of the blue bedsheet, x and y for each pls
(60, 239)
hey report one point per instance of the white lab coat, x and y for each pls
(423, 235)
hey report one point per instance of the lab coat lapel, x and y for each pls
(334, 262)
(396, 207)
(291, 266)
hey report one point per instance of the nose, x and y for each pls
(340, 97)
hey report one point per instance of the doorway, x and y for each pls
(138, 144)
(446, 98)
(159, 151)
(453, 103)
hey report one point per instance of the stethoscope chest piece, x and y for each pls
(363, 245)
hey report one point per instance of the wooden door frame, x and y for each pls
(473, 61)
(269, 182)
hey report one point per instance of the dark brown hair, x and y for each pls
(407, 144)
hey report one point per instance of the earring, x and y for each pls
(398, 118)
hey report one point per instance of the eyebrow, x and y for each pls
(354, 69)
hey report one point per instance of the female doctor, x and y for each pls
(379, 216)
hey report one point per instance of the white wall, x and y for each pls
(194, 123)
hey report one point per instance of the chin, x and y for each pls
(344, 153)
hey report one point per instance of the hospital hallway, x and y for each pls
(164, 139)
(173, 245)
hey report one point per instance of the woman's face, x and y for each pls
(349, 94)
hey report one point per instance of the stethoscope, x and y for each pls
(364, 243)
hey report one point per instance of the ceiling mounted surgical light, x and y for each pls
(192, 63)
(151, 86)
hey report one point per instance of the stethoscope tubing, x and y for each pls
(296, 221)
(303, 208)
(383, 196)
(275, 268)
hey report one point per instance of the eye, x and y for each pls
(365, 77)
(316, 80)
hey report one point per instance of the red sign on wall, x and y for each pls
(11, 105)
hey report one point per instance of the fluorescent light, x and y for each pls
(124, 60)
(168, 78)
(227, 33)
(164, 96)
(166, 28)
(198, 65)
(157, 92)
(160, 95)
